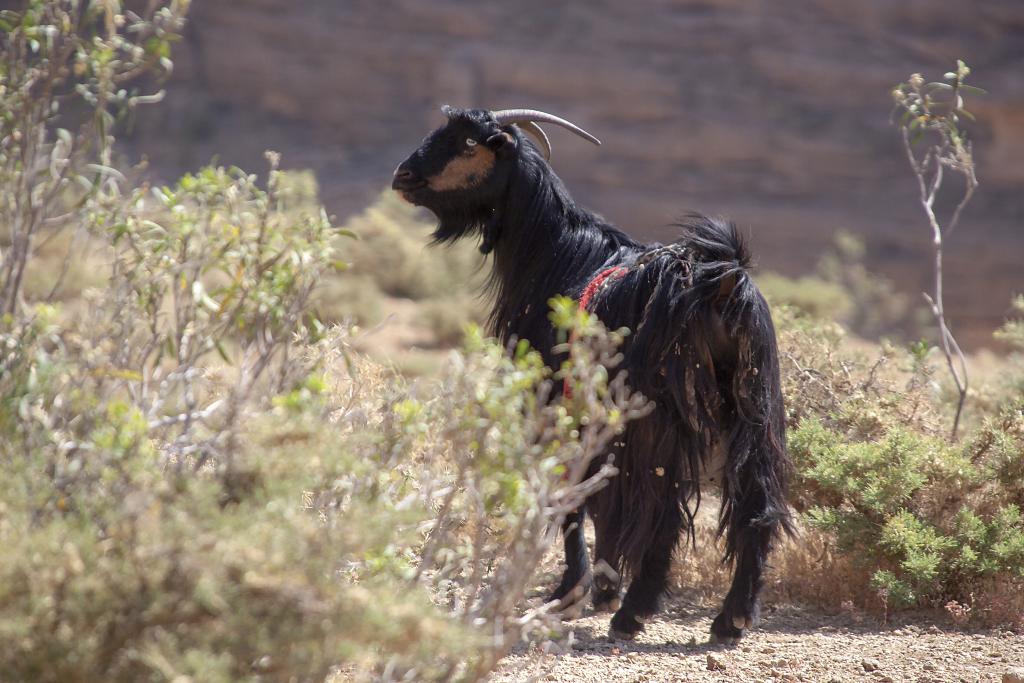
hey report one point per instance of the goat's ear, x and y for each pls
(501, 142)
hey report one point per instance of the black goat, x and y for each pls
(702, 348)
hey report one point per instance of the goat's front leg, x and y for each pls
(607, 581)
(576, 579)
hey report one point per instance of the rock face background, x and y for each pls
(773, 113)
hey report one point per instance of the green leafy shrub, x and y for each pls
(898, 508)
(69, 71)
(201, 481)
(919, 520)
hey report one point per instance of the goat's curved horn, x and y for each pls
(538, 132)
(532, 115)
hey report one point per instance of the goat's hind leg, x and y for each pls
(758, 470)
(754, 513)
(643, 598)
(740, 608)
(576, 579)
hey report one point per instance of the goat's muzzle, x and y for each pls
(406, 180)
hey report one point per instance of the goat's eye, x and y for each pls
(470, 142)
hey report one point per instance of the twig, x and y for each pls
(949, 151)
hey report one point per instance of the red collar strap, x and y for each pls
(594, 285)
(592, 288)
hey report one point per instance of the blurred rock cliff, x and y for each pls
(775, 114)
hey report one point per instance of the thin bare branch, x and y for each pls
(947, 150)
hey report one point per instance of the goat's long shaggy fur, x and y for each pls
(702, 347)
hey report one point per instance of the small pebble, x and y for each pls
(715, 662)
(870, 664)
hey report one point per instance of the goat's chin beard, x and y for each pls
(453, 224)
(451, 228)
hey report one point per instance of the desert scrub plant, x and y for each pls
(897, 509)
(67, 74)
(202, 481)
(121, 569)
(513, 462)
(195, 478)
(857, 388)
(927, 521)
(363, 525)
(211, 266)
(902, 511)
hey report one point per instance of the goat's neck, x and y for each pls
(547, 246)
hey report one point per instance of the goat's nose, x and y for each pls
(404, 178)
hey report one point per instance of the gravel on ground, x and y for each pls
(790, 644)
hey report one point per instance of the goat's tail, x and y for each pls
(737, 328)
(757, 467)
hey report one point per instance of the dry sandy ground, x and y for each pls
(791, 644)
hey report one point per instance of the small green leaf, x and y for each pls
(974, 90)
(221, 351)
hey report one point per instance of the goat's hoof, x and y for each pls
(742, 622)
(727, 641)
(570, 602)
(607, 603)
(725, 633)
(624, 627)
(606, 596)
(615, 634)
